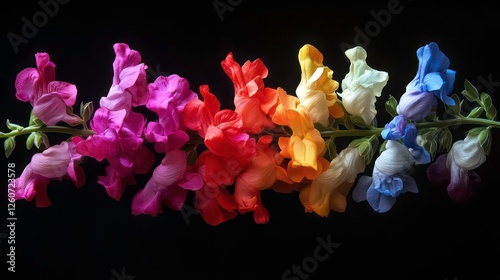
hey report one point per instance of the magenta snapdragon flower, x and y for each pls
(168, 96)
(129, 87)
(169, 185)
(118, 129)
(56, 163)
(50, 98)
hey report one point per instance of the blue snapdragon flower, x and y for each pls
(389, 178)
(433, 80)
(399, 128)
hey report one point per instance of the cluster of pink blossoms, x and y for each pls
(272, 140)
(121, 137)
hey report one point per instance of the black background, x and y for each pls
(85, 234)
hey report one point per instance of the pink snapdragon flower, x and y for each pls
(169, 185)
(50, 99)
(118, 129)
(129, 87)
(56, 163)
(118, 138)
(168, 96)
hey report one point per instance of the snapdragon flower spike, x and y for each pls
(252, 99)
(51, 99)
(55, 163)
(361, 86)
(455, 169)
(433, 79)
(389, 178)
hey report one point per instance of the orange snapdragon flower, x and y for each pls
(253, 101)
(305, 148)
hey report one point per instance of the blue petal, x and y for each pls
(385, 203)
(380, 203)
(410, 137)
(438, 61)
(433, 82)
(420, 155)
(449, 80)
(395, 187)
(409, 184)
(361, 188)
(373, 198)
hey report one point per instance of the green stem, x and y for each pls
(460, 121)
(420, 125)
(48, 129)
(325, 134)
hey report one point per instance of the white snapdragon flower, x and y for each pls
(361, 86)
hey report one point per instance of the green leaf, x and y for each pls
(485, 140)
(382, 146)
(476, 112)
(486, 100)
(470, 92)
(445, 138)
(491, 113)
(331, 148)
(391, 105)
(30, 140)
(431, 147)
(348, 124)
(364, 149)
(356, 142)
(86, 110)
(34, 121)
(475, 131)
(358, 120)
(41, 140)
(374, 142)
(13, 126)
(9, 146)
(454, 110)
